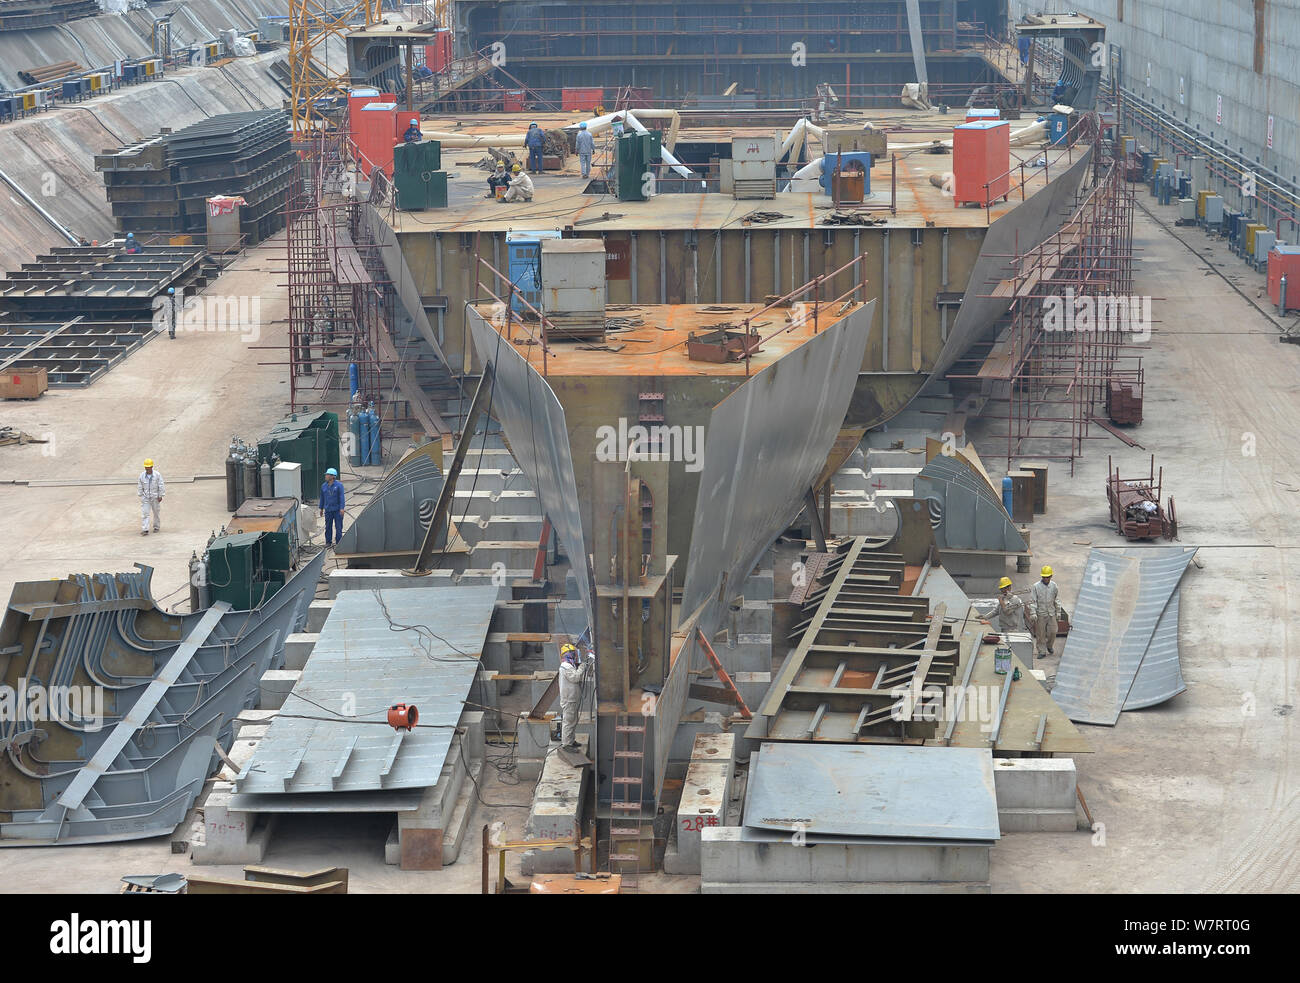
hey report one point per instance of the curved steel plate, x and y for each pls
(766, 444)
(538, 436)
(1125, 597)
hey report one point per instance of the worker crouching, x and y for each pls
(521, 186)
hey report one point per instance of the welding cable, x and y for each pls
(422, 629)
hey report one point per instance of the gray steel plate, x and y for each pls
(929, 793)
(766, 444)
(1123, 597)
(361, 664)
(534, 423)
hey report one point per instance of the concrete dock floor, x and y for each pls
(1199, 794)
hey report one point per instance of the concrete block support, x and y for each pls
(317, 612)
(556, 814)
(228, 837)
(275, 687)
(297, 649)
(1036, 795)
(706, 794)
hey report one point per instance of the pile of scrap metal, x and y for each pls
(1134, 505)
(12, 435)
(120, 704)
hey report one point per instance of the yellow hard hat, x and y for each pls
(1047, 571)
(1004, 582)
(148, 462)
(516, 168)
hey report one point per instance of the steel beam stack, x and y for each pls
(26, 15)
(160, 187)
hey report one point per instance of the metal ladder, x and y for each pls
(626, 828)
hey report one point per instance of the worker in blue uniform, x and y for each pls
(535, 141)
(413, 132)
(332, 502)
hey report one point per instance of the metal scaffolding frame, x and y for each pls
(340, 300)
(1049, 370)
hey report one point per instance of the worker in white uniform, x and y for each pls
(150, 488)
(1011, 609)
(521, 186)
(1044, 612)
(573, 673)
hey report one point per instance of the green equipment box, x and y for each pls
(635, 152)
(417, 157)
(418, 190)
(311, 440)
(248, 569)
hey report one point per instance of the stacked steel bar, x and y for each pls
(100, 282)
(24, 15)
(160, 187)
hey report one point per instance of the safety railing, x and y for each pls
(1271, 199)
(506, 305)
(1082, 125)
(814, 287)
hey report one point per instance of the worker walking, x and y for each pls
(150, 488)
(413, 133)
(521, 186)
(1011, 609)
(573, 673)
(535, 141)
(332, 502)
(172, 312)
(586, 146)
(1044, 611)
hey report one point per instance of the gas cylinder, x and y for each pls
(264, 480)
(354, 379)
(239, 480)
(354, 430)
(250, 477)
(376, 449)
(233, 479)
(194, 581)
(363, 424)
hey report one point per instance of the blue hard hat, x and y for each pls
(171, 290)
(531, 125)
(582, 126)
(331, 471)
(130, 235)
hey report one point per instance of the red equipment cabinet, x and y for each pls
(1284, 261)
(981, 155)
(581, 99)
(364, 97)
(437, 56)
(374, 138)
